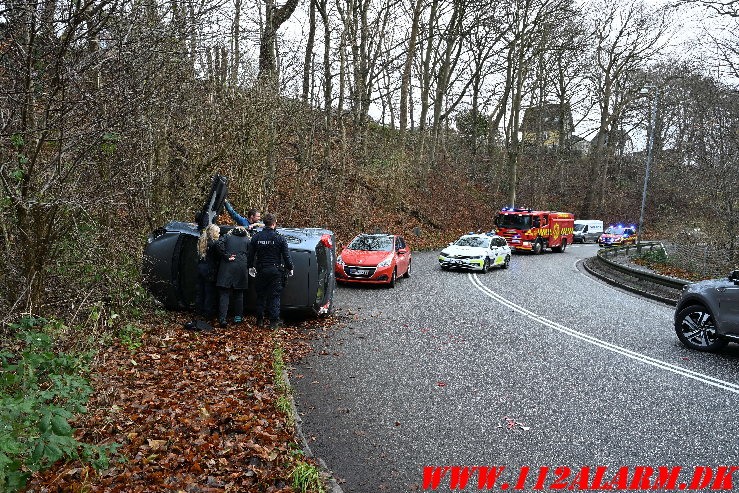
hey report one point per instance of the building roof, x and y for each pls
(546, 117)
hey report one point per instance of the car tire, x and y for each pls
(538, 247)
(408, 272)
(561, 248)
(485, 266)
(394, 278)
(696, 329)
(444, 267)
(506, 262)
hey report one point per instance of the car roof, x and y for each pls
(480, 235)
(374, 235)
(297, 238)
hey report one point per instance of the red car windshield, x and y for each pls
(371, 243)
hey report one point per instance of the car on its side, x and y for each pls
(170, 261)
(617, 236)
(476, 252)
(707, 313)
(374, 259)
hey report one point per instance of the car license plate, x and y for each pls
(360, 272)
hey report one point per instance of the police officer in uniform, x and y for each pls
(269, 260)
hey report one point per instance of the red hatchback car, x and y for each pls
(374, 259)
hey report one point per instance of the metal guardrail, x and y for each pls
(670, 282)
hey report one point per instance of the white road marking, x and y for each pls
(700, 377)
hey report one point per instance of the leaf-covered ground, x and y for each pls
(192, 411)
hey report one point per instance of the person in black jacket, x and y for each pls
(208, 259)
(232, 274)
(269, 260)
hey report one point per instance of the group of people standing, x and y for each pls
(226, 263)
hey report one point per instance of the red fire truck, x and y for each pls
(533, 231)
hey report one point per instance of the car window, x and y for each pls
(399, 243)
(371, 243)
(473, 241)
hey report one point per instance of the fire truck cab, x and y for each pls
(533, 231)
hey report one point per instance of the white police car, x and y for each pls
(476, 252)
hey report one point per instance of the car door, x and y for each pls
(402, 262)
(494, 251)
(728, 299)
(213, 202)
(502, 250)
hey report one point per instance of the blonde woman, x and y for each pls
(208, 260)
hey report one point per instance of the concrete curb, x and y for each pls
(333, 486)
(609, 280)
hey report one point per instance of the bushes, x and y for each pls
(40, 391)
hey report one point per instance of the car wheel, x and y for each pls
(485, 266)
(696, 329)
(561, 248)
(444, 267)
(506, 262)
(394, 278)
(537, 248)
(408, 272)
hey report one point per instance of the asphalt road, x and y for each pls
(425, 375)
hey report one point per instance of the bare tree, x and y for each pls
(628, 36)
(274, 17)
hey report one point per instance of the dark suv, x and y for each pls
(170, 261)
(707, 313)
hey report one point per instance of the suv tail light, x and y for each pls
(326, 240)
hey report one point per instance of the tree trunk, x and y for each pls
(405, 80)
(274, 17)
(307, 63)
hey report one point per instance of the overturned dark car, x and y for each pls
(170, 261)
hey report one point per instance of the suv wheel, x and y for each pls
(696, 329)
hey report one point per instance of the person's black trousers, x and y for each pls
(205, 298)
(269, 289)
(225, 296)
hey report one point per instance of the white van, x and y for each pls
(587, 230)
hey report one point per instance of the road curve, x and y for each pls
(425, 375)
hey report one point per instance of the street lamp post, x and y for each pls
(650, 150)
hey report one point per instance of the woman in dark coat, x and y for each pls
(208, 260)
(232, 275)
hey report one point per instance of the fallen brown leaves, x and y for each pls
(193, 412)
(670, 270)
